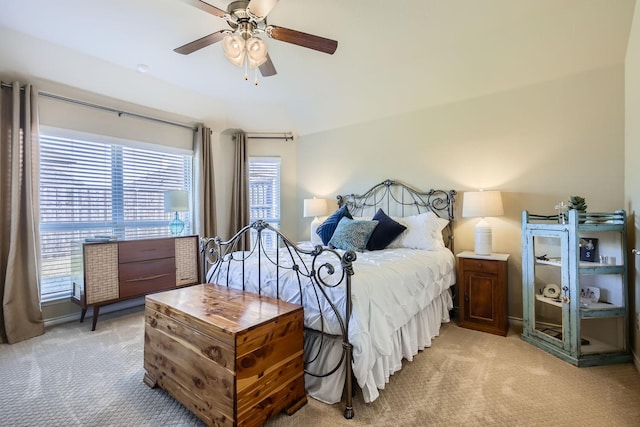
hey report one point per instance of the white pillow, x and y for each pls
(315, 239)
(423, 231)
(437, 225)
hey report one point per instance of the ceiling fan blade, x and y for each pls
(302, 39)
(202, 42)
(261, 8)
(267, 69)
(206, 7)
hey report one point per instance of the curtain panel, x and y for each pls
(20, 311)
(240, 189)
(205, 200)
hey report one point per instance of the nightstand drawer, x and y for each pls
(480, 265)
(141, 250)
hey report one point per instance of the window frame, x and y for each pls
(118, 223)
(276, 205)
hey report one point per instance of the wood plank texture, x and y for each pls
(232, 358)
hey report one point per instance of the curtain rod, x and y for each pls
(101, 107)
(269, 135)
(114, 110)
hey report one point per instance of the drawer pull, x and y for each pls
(142, 279)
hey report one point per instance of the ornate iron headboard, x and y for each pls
(399, 199)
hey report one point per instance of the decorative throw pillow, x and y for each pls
(423, 231)
(385, 232)
(352, 235)
(325, 231)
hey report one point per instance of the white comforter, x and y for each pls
(389, 288)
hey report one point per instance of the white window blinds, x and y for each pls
(264, 191)
(90, 188)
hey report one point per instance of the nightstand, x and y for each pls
(482, 284)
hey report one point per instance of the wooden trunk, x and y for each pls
(233, 358)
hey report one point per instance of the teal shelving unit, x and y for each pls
(575, 301)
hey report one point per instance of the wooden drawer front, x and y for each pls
(481, 265)
(142, 250)
(101, 272)
(139, 278)
(186, 260)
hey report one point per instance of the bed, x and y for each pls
(371, 308)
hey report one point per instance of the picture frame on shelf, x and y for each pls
(588, 249)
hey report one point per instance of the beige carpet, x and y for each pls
(71, 376)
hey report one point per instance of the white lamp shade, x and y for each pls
(315, 207)
(176, 201)
(482, 204)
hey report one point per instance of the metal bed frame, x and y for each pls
(306, 266)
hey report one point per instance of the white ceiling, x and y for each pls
(392, 56)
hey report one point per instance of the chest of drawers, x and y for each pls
(115, 271)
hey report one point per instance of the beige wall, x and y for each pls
(632, 171)
(538, 144)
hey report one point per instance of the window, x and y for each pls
(91, 187)
(264, 193)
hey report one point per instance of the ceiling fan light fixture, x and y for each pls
(234, 49)
(256, 52)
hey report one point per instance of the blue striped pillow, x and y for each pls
(326, 229)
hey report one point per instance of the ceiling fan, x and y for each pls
(242, 44)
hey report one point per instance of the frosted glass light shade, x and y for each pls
(234, 49)
(176, 200)
(315, 207)
(256, 52)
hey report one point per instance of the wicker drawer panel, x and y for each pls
(186, 261)
(101, 272)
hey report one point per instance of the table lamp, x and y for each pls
(315, 208)
(176, 201)
(482, 204)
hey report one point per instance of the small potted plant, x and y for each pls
(578, 203)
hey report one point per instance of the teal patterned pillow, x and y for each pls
(352, 235)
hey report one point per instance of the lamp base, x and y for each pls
(176, 226)
(483, 238)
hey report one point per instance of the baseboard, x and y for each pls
(75, 317)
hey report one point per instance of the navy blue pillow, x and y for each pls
(386, 231)
(326, 229)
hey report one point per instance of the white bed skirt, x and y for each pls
(414, 336)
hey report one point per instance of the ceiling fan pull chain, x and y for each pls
(246, 72)
(255, 82)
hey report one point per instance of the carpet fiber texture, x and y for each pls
(71, 376)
